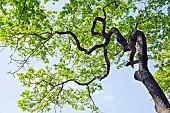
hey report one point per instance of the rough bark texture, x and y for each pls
(143, 75)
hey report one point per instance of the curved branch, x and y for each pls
(120, 39)
(75, 38)
(107, 63)
(138, 37)
(94, 24)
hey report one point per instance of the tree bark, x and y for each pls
(161, 102)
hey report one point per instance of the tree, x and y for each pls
(74, 38)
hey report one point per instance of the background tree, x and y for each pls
(66, 36)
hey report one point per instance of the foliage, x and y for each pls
(26, 27)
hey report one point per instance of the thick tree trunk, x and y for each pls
(161, 102)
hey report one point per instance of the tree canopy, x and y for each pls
(61, 39)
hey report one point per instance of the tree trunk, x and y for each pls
(161, 102)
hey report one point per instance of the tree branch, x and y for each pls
(107, 63)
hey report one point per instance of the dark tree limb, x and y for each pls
(107, 35)
(107, 63)
(75, 38)
(94, 24)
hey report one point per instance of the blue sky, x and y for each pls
(121, 93)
